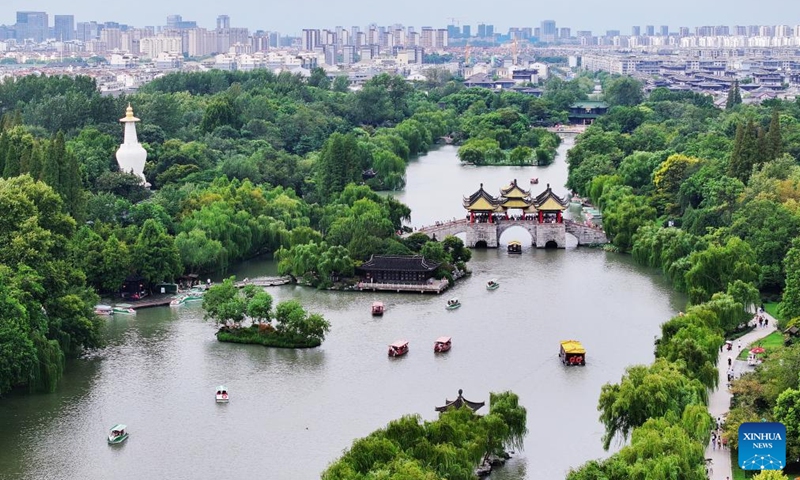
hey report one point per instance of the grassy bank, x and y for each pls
(773, 308)
(251, 335)
(771, 342)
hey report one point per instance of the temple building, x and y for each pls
(411, 269)
(481, 206)
(550, 206)
(131, 156)
(460, 402)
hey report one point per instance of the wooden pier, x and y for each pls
(157, 300)
(264, 281)
(437, 287)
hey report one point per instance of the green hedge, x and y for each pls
(270, 339)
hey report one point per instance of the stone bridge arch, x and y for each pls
(528, 226)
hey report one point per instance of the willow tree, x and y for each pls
(646, 392)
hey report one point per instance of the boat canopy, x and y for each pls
(492, 281)
(377, 304)
(399, 344)
(573, 346)
(221, 388)
(453, 300)
(103, 307)
(443, 340)
(118, 427)
(515, 242)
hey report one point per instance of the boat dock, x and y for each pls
(156, 300)
(264, 281)
(435, 287)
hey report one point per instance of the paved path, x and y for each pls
(719, 400)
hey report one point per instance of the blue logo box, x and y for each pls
(762, 446)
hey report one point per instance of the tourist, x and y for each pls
(766, 322)
(740, 344)
(730, 361)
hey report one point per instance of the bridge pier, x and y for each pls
(482, 232)
(550, 232)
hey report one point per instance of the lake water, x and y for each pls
(291, 413)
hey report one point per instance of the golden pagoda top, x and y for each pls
(480, 201)
(514, 191)
(129, 115)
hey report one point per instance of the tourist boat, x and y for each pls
(222, 394)
(572, 353)
(124, 309)
(189, 297)
(492, 285)
(378, 308)
(514, 246)
(117, 434)
(105, 310)
(453, 303)
(534, 181)
(442, 344)
(398, 348)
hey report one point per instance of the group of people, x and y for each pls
(717, 442)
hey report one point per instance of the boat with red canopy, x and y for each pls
(378, 308)
(442, 344)
(398, 348)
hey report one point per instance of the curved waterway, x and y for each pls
(293, 412)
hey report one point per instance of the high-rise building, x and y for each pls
(636, 31)
(722, 30)
(583, 33)
(664, 30)
(466, 31)
(740, 30)
(753, 30)
(112, 37)
(683, 31)
(766, 31)
(564, 32)
(612, 33)
(310, 39)
(490, 30)
(537, 32)
(704, 31)
(173, 21)
(32, 25)
(64, 27)
(549, 31)
(481, 30)
(650, 30)
(348, 54)
(453, 31)
(223, 22)
(783, 31)
(87, 31)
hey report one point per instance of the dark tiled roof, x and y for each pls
(459, 402)
(406, 263)
(505, 191)
(542, 197)
(475, 196)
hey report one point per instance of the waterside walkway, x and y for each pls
(719, 400)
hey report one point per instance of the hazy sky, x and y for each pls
(290, 17)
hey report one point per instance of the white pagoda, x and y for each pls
(131, 155)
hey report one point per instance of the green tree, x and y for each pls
(790, 306)
(624, 90)
(198, 252)
(713, 269)
(787, 412)
(646, 392)
(521, 155)
(774, 138)
(155, 256)
(746, 152)
(223, 303)
(734, 96)
(770, 475)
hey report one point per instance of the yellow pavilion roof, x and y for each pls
(514, 191)
(516, 203)
(551, 204)
(572, 346)
(549, 201)
(480, 201)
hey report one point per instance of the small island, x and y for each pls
(232, 308)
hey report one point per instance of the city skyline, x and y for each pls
(578, 15)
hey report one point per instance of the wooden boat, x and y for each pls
(442, 344)
(124, 309)
(378, 308)
(514, 246)
(492, 285)
(453, 303)
(104, 310)
(117, 434)
(398, 348)
(572, 353)
(534, 181)
(222, 394)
